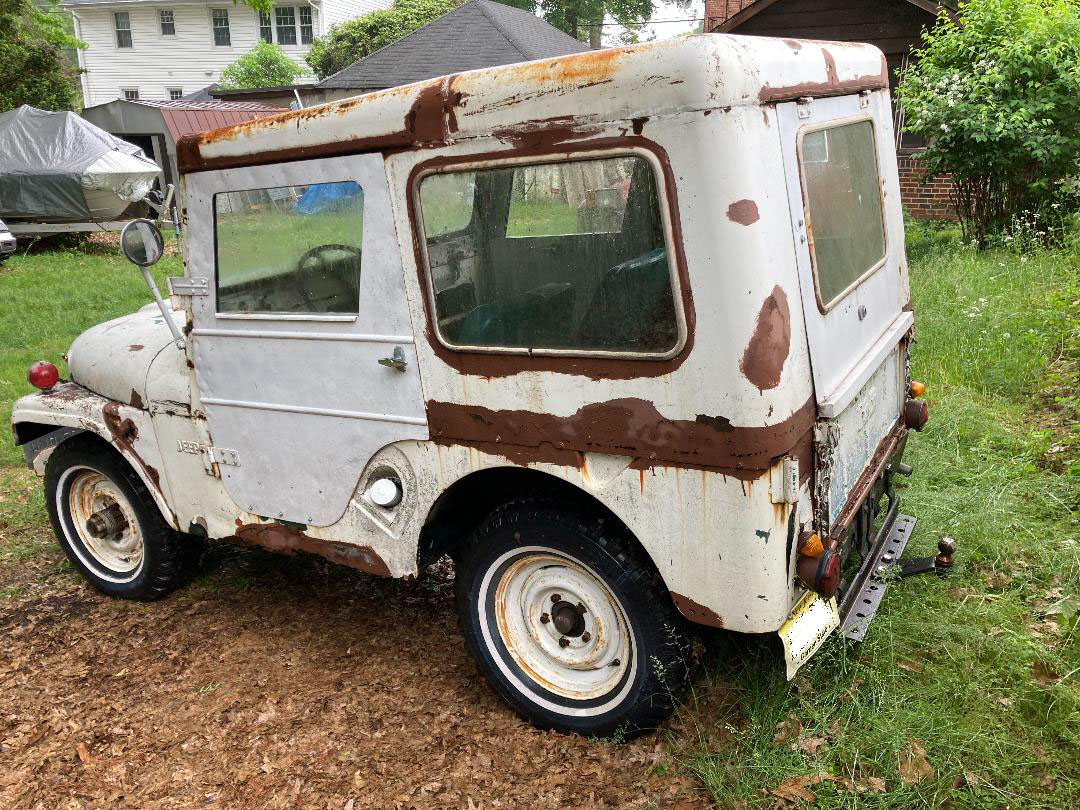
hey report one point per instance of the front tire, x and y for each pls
(570, 623)
(109, 526)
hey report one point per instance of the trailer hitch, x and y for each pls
(939, 564)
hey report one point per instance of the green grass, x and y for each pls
(49, 298)
(971, 668)
(976, 668)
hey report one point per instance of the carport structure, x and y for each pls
(156, 126)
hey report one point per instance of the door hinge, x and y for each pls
(784, 485)
(803, 106)
(225, 457)
(182, 285)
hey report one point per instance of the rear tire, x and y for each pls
(109, 526)
(570, 622)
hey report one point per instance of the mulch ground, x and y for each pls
(282, 682)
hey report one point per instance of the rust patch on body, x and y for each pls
(764, 357)
(744, 212)
(136, 347)
(699, 614)
(135, 400)
(832, 86)
(124, 432)
(626, 427)
(287, 540)
(542, 135)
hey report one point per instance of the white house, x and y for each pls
(161, 50)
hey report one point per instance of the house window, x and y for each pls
(266, 28)
(168, 22)
(566, 256)
(123, 29)
(219, 18)
(131, 94)
(307, 30)
(290, 249)
(175, 94)
(285, 16)
(843, 206)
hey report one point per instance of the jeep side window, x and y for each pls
(564, 256)
(843, 201)
(290, 249)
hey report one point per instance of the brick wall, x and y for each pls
(716, 11)
(923, 200)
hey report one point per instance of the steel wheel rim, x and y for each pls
(117, 557)
(584, 664)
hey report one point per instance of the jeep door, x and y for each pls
(302, 343)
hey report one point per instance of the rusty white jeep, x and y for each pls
(624, 333)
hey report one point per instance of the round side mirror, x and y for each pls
(142, 243)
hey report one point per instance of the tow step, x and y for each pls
(864, 597)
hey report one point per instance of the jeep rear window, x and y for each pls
(289, 249)
(843, 201)
(561, 256)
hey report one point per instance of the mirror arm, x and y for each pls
(165, 313)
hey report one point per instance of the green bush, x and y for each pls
(33, 67)
(265, 65)
(997, 95)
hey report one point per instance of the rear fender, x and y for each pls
(43, 421)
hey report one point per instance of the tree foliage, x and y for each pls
(361, 36)
(33, 67)
(265, 65)
(997, 95)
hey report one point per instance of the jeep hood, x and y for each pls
(114, 359)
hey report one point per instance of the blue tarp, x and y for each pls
(321, 197)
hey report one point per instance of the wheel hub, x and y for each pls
(568, 619)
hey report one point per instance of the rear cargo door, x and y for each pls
(848, 246)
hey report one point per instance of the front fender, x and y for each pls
(44, 420)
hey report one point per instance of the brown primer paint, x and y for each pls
(743, 212)
(287, 540)
(764, 356)
(830, 66)
(628, 427)
(493, 364)
(136, 347)
(699, 614)
(832, 86)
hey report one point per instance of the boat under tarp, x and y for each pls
(58, 167)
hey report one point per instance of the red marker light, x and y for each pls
(43, 375)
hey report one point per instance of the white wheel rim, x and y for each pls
(117, 556)
(581, 658)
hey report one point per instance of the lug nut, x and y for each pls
(556, 597)
(581, 609)
(586, 636)
(544, 618)
(614, 663)
(564, 642)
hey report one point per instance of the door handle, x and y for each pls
(396, 362)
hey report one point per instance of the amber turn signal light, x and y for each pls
(43, 375)
(810, 545)
(916, 388)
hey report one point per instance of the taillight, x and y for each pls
(916, 414)
(43, 375)
(916, 389)
(820, 574)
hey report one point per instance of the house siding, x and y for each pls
(188, 60)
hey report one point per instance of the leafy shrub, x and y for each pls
(997, 95)
(33, 67)
(265, 65)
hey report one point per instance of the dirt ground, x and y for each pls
(279, 682)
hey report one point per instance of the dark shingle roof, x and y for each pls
(477, 34)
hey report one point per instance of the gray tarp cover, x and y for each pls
(43, 156)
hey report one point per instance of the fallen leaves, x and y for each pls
(796, 789)
(1042, 674)
(84, 753)
(787, 730)
(914, 766)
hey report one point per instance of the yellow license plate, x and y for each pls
(808, 625)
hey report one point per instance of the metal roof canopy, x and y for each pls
(708, 71)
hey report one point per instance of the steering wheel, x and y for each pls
(317, 259)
